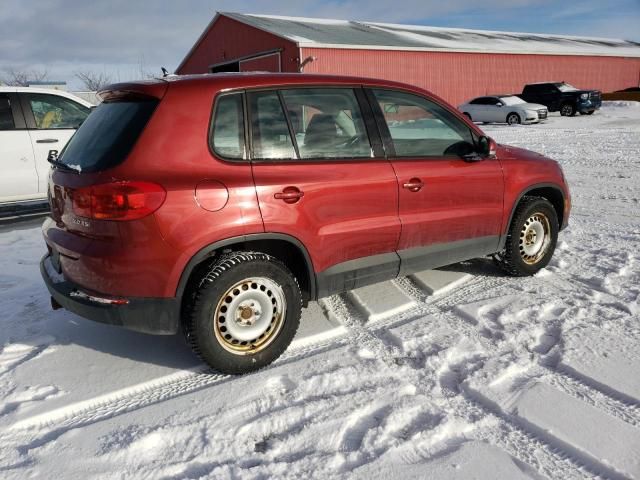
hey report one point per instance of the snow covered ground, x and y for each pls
(487, 377)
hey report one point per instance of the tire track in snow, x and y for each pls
(517, 441)
(41, 429)
(577, 388)
(520, 440)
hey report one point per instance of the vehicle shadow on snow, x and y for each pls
(483, 267)
(163, 350)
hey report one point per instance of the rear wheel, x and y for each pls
(246, 310)
(532, 238)
(513, 119)
(567, 110)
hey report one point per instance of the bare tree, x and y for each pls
(21, 78)
(93, 81)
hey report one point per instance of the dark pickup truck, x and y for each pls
(563, 97)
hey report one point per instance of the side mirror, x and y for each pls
(500, 105)
(487, 146)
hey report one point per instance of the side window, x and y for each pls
(493, 101)
(327, 123)
(269, 128)
(422, 128)
(53, 111)
(227, 129)
(6, 117)
(478, 101)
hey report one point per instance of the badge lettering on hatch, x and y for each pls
(81, 222)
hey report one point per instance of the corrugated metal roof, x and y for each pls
(315, 32)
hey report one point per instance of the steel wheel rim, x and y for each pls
(250, 315)
(566, 110)
(512, 120)
(534, 238)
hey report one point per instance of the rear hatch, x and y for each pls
(89, 194)
(102, 142)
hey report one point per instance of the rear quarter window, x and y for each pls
(107, 135)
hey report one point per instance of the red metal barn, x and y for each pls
(456, 64)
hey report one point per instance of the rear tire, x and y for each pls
(531, 239)
(567, 110)
(245, 312)
(513, 119)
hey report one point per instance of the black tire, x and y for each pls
(513, 119)
(517, 259)
(567, 110)
(204, 317)
(468, 115)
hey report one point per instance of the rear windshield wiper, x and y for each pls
(62, 166)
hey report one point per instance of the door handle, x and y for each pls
(47, 140)
(414, 185)
(289, 195)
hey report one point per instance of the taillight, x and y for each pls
(118, 200)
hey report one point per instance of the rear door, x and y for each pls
(52, 120)
(321, 179)
(450, 209)
(18, 180)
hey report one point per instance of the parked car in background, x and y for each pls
(273, 190)
(503, 109)
(33, 121)
(562, 97)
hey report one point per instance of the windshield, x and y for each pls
(565, 87)
(107, 135)
(512, 100)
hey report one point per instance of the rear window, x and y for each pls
(107, 135)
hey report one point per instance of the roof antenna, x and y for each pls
(165, 72)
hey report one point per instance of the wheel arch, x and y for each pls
(513, 112)
(286, 248)
(550, 191)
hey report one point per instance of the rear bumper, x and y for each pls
(158, 316)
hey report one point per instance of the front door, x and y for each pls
(18, 179)
(318, 179)
(450, 208)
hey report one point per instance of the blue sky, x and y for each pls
(124, 38)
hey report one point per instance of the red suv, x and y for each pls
(222, 204)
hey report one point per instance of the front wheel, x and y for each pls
(532, 237)
(245, 311)
(513, 119)
(567, 110)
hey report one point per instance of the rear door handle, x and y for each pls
(47, 140)
(414, 185)
(289, 195)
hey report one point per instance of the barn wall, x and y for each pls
(228, 40)
(460, 76)
(269, 63)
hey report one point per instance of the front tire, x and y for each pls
(513, 119)
(245, 312)
(567, 110)
(532, 238)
